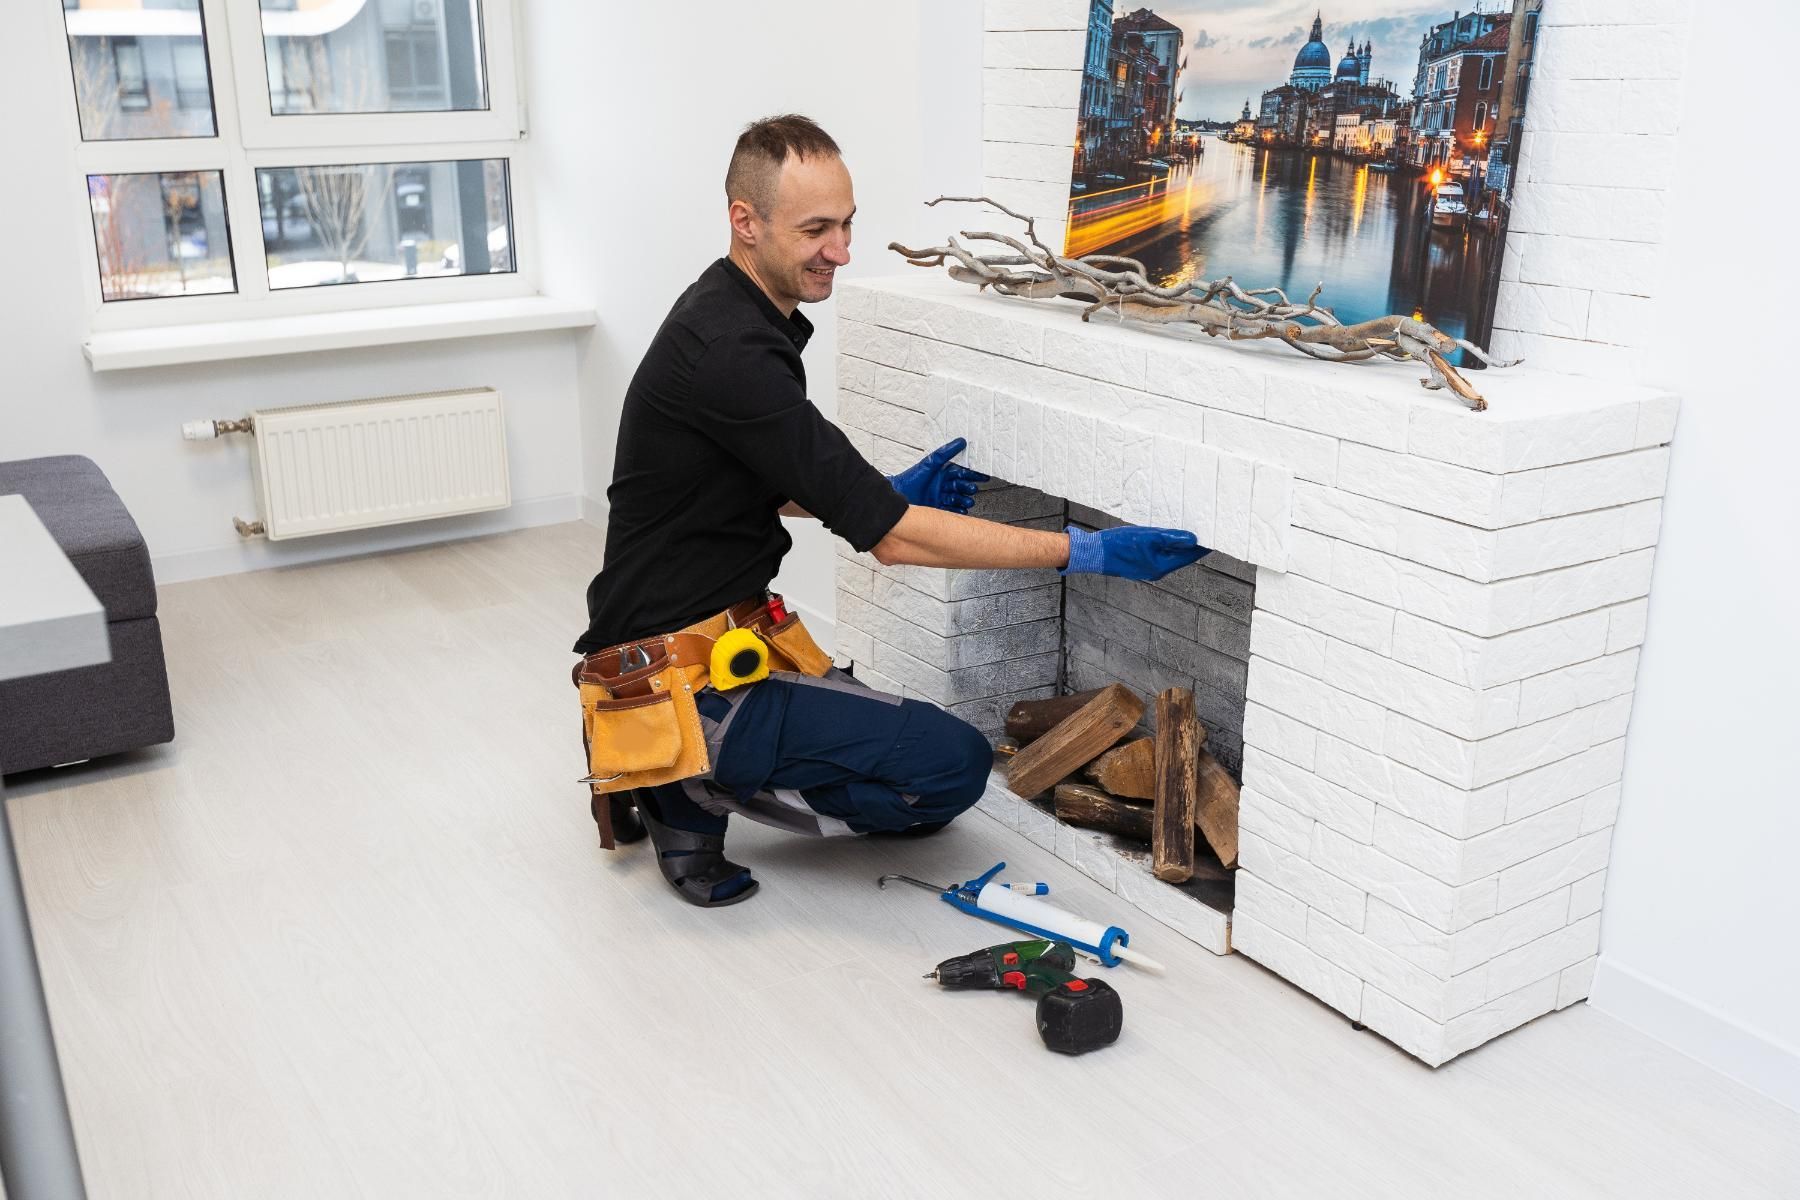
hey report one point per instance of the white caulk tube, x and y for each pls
(1108, 941)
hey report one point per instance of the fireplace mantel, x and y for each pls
(1448, 606)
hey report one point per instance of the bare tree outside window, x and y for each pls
(340, 203)
(373, 222)
(137, 259)
(123, 270)
(160, 234)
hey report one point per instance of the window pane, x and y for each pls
(161, 234)
(377, 56)
(140, 69)
(368, 222)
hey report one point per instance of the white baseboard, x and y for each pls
(1699, 1031)
(594, 510)
(255, 554)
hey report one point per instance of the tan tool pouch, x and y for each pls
(644, 741)
(795, 649)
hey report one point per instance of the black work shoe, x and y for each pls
(696, 867)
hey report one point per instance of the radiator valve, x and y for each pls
(201, 431)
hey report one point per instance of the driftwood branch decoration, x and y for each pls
(1109, 283)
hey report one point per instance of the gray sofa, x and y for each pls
(63, 717)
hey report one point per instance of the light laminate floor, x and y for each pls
(351, 936)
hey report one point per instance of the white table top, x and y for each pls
(49, 619)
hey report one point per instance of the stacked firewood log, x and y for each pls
(1165, 790)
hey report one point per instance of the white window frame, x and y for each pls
(263, 130)
(247, 138)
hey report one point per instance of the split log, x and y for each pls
(1177, 786)
(1128, 770)
(1029, 720)
(1216, 812)
(1079, 804)
(1076, 739)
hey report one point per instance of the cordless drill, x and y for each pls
(1073, 1015)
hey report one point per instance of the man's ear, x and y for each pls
(743, 222)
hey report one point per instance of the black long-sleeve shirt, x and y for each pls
(716, 435)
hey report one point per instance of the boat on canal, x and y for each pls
(1449, 207)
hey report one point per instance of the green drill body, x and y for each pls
(1041, 965)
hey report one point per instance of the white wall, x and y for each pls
(1702, 915)
(634, 110)
(184, 494)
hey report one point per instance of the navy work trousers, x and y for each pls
(828, 755)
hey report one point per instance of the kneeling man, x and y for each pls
(702, 696)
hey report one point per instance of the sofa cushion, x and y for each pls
(77, 504)
(90, 711)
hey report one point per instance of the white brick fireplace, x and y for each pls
(1447, 611)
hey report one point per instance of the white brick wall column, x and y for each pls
(1594, 173)
(1031, 83)
(1438, 698)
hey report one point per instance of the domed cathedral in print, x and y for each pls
(1354, 67)
(1312, 66)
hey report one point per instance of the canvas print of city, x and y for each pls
(1368, 146)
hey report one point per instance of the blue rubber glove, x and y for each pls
(1131, 551)
(936, 482)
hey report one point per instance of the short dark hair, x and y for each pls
(762, 148)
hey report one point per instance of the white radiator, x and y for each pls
(324, 468)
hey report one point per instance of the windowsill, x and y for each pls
(118, 350)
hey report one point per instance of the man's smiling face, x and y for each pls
(797, 249)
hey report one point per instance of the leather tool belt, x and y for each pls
(638, 717)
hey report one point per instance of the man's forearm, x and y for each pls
(930, 537)
(790, 509)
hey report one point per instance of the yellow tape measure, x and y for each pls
(738, 657)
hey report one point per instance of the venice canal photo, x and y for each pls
(1394, 195)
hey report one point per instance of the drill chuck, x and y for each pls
(967, 971)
